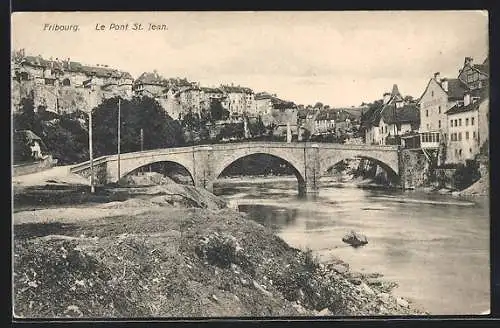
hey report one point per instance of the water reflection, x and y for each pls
(270, 216)
(438, 253)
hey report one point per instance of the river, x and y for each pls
(435, 247)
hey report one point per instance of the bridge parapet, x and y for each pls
(206, 162)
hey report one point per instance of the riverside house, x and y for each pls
(439, 96)
(468, 128)
(393, 118)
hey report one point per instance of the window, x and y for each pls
(432, 93)
(467, 135)
(456, 123)
(459, 122)
(472, 121)
(439, 124)
(474, 135)
(451, 122)
(439, 109)
(427, 126)
(459, 136)
(470, 150)
(467, 122)
(460, 152)
(427, 113)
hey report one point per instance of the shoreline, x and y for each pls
(360, 294)
(355, 183)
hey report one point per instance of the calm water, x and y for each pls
(438, 253)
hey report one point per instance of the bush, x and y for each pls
(466, 175)
(223, 250)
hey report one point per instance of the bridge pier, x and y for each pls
(311, 170)
(308, 160)
(203, 174)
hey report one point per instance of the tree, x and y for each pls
(27, 119)
(318, 105)
(256, 128)
(408, 99)
(21, 151)
(306, 135)
(160, 130)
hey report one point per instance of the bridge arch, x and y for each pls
(292, 163)
(329, 162)
(168, 166)
(132, 164)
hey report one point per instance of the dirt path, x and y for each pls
(175, 251)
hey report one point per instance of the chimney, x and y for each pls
(437, 76)
(387, 97)
(466, 99)
(468, 61)
(444, 84)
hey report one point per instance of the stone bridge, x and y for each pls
(205, 164)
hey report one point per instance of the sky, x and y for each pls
(337, 58)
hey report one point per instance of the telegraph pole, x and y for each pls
(142, 139)
(119, 137)
(91, 155)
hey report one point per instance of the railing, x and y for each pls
(231, 146)
(82, 166)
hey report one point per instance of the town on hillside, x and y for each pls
(250, 164)
(448, 122)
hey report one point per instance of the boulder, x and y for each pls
(354, 239)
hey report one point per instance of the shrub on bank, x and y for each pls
(223, 250)
(302, 281)
(466, 175)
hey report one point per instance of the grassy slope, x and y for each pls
(175, 258)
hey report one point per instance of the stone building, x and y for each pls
(467, 128)
(440, 95)
(208, 95)
(393, 118)
(62, 85)
(238, 100)
(150, 84)
(475, 76)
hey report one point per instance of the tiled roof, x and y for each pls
(28, 134)
(409, 113)
(71, 66)
(395, 91)
(263, 95)
(456, 89)
(326, 114)
(151, 78)
(211, 90)
(484, 67)
(462, 109)
(236, 89)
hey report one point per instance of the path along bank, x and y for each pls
(172, 251)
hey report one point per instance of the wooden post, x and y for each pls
(91, 155)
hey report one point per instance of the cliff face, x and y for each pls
(63, 99)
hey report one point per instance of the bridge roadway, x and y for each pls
(205, 163)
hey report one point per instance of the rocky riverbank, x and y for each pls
(174, 251)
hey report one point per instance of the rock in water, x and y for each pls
(354, 239)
